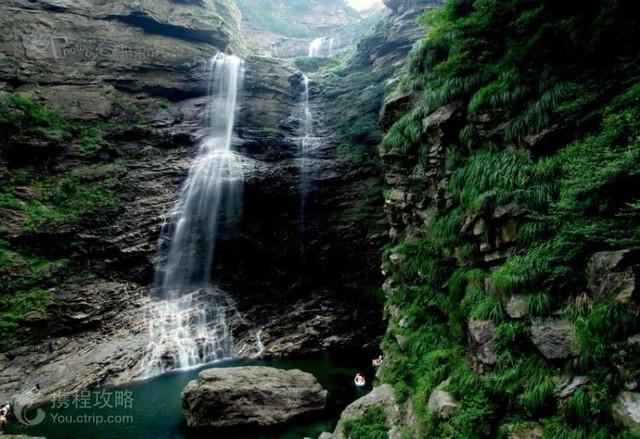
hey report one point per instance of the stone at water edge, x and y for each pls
(383, 396)
(252, 397)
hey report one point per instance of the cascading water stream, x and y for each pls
(306, 142)
(317, 47)
(188, 318)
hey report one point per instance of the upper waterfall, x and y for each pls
(321, 47)
(305, 145)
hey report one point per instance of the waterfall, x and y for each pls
(213, 186)
(317, 47)
(188, 318)
(306, 142)
(314, 47)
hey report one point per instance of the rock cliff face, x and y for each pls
(285, 29)
(129, 80)
(85, 55)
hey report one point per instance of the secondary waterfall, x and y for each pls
(321, 47)
(306, 142)
(188, 319)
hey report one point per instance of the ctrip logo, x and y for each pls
(21, 412)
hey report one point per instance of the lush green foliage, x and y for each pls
(36, 202)
(313, 65)
(521, 70)
(356, 94)
(372, 425)
(20, 116)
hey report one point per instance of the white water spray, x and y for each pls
(321, 47)
(188, 320)
(306, 143)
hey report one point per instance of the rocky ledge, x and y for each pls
(245, 398)
(383, 397)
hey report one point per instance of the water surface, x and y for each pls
(155, 411)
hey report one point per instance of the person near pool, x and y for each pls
(4, 411)
(359, 380)
(377, 361)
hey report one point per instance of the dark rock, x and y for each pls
(554, 338)
(546, 140)
(615, 274)
(483, 349)
(441, 119)
(250, 397)
(495, 257)
(567, 385)
(469, 224)
(395, 107)
(523, 431)
(34, 318)
(13, 221)
(509, 211)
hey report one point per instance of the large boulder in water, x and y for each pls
(250, 398)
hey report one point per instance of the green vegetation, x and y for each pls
(13, 309)
(34, 134)
(20, 116)
(372, 425)
(356, 94)
(551, 100)
(37, 203)
(57, 200)
(313, 65)
(366, 207)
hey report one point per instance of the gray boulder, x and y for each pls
(481, 341)
(250, 397)
(517, 306)
(567, 385)
(383, 396)
(626, 410)
(441, 403)
(554, 338)
(615, 274)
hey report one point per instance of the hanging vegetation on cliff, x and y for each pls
(517, 212)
